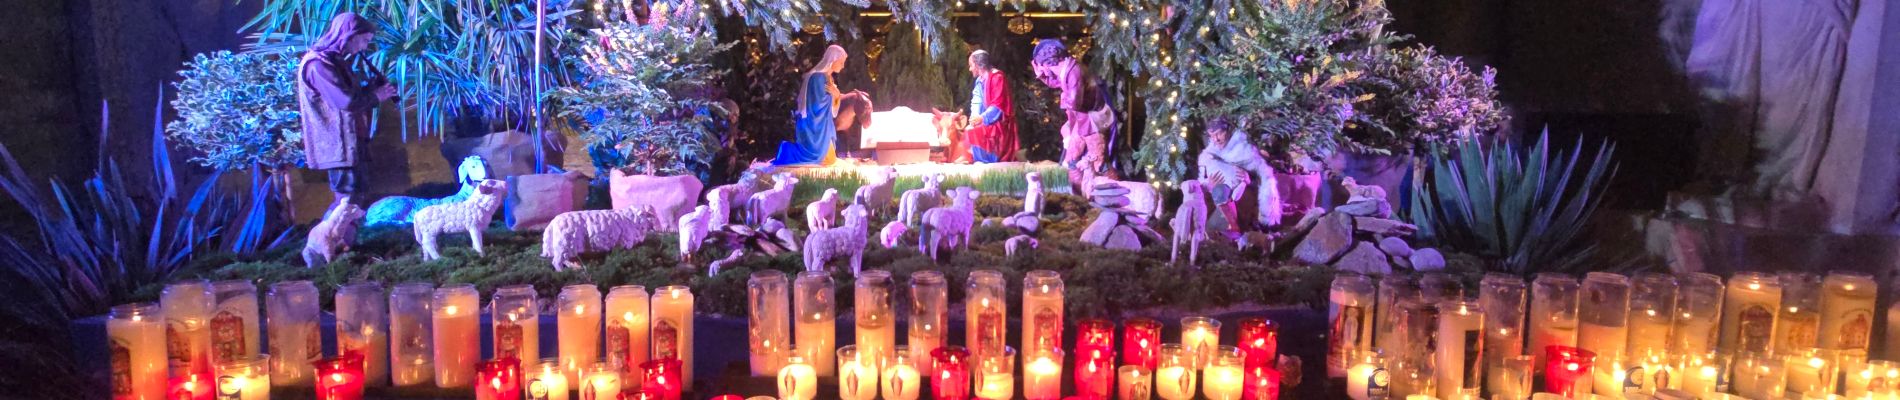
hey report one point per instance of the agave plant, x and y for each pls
(1524, 208)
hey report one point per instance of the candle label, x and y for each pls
(1345, 335)
(227, 336)
(787, 385)
(1048, 328)
(412, 341)
(177, 347)
(1633, 378)
(618, 343)
(989, 331)
(1474, 355)
(665, 339)
(1801, 330)
(312, 342)
(1756, 326)
(1661, 379)
(588, 391)
(1855, 332)
(537, 390)
(507, 339)
(121, 367)
(1379, 384)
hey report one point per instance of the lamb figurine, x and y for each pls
(334, 234)
(876, 192)
(819, 214)
(763, 205)
(693, 228)
(915, 201)
(398, 210)
(892, 235)
(1190, 222)
(722, 198)
(1014, 243)
(576, 232)
(470, 216)
(949, 223)
(847, 240)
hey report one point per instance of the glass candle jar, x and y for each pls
(901, 380)
(603, 382)
(1651, 313)
(188, 307)
(929, 316)
(797, 380)
(1512, 377)
(876, 320)
(1568, 372)
(234, 323)
(1042, 375)
(814, 304)
(1760, 376)
(1393, 288)
(1502, 296)
(1799, 322)
(768, 320)
(1176, 380)
(1553, 316)
(1349, 306)
(577, 322)
(1703, 374)
(1417, 350)
(547, 380)
(1141, 343)
(1094, 334)
(1259, 342)
(1223, 376)
(951, 381)
(1749, 309)
(672, 335)
(1042, 311)
(1811, 371)
(340, 378)
(986, 312)
(246, 378)
(362, 321)
(857, 372)
(1603, 329)
(995, 376)
(1847, 311)
(517, 323)
(456, 333)
(1095, 372)
(1133, 382)
(1698, 314)
(498, 379)
(295, 339)
(1367, 379)
(627, 321)
(664, 378)
(1437, 287)
(1460, 349)
(135, 338)
(1201, 337)
(411, 362)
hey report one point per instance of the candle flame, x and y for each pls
(628, 316)
(337, 377)
(1848, 287)
(1045, 288)
(1794, 309)
(675, 293)
(1651, 313)
(450, 310)
(1709, 372)
(578, 309)
(1754, 286)
(1816, 362)
(1571, 366)
(986, 302)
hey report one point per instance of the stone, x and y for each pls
(1395, 247)
(1330, 238)
(1427, 259)
(1026, 222)
(1123, 238)
(1366, 209)
(1097, 232)
(509, 153)
(1109, 201)
(1109, 190)
(1307, 221)
(1384, 227)
(1365, 258)
(1134, 219)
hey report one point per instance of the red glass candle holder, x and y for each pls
(191, 387)
(1095, 373)
(1259, 342)
(340, 378)
(636, 395)
(1262, 383)
(662, 378)
(1094, 333)
(1566, 368)
(728, 397)
(951, 381)
(498, 379)
(1141, 342)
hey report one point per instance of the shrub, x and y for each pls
(1524, 208)
(238, 111)
(1422, 99)
(646, 98)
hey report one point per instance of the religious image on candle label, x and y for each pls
(1345, 334)
(1473, 361)
(312, 342)
(177, 347)
(1048, 328)
(1856, 332)
(121, 367)
(588, 392)
(508, 339)
(851, 382)
(618, 343)
(989, 330)
(227, 336)
(1802, 330)
(1661, 380)
(1633, 379)
(1757, 325)
(1379, 384)
(665, 339)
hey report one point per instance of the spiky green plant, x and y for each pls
(1524, 208)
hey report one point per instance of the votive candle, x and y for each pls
(517, 323)
(857, 372)
(929, 317)
(876, 319)
(548, 381)
(1348, 308)
(664, 378)
(1393, 288)
(1177, 377)
(1133, 382)
(192, 387)
(1702, 372)
(1223, 376)
(1141, 343)
(986, 312)
(1603, 326)
(1811, 371)
(235, 323)
(1553, 315)
(457, 335)
(1760, 376)
(768, 320)
(340, 378)
(995, 376)
(951, 381)
(797, 380)
(1569, 369)
(1698, 314)
(1263, 383)
(188, 307)
(1200, 337)
(498, 379)
(244, 378)
(603, 382)
(1847, 311)
(577, 322)
(1259, 341)
(1042, 311)
(1367, 378)
(1502, 297)
(1652, 306)
(672, 335)
(1749, 310)
(900, 380)
(814, 302)
(135, 338)
(1513, 377)
(1095, 372)
(1799, 321)
(411, 358)
(627, 321)
(1460, 349)
(1042, 375)
(362, 326)
(295, 339)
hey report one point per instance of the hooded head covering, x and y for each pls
(834, 55)
(342, 28)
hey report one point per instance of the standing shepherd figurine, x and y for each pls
(337, 90)
(1091, 122)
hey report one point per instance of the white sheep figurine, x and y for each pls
(693, 228)
(1011, 246)
(721, 199)
(847, 240)
(876, 192)
(819, 214)
(949, 222)
(778, 230)
(469, 216)
(578, 232)
(334, 234)
(915, 201)
(1190, 222)
(763, 205)
(892, 235)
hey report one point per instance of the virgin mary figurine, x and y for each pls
(817, 115)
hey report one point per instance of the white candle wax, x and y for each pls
(1810, 372)
(1223, 382)
(857, 375)
(1368, 379)
(1132, 382)
(1200, 337)
(187, 307)
(135, 339)
(1847, 311)
(672, 335)
(995, 385)
(1697, 320)
(626, 323)
(817, 336)
(929, 315)
(1608, 343)
(548, 381)
(1699, 379)
(602, 383)
(1042, 377)
(1460, 347)
(1175, 383)
(457, 336)
(411, 361)
(900, 382)
(1042, 312)
(1749, 311)
(797, 381)
(1648, 330)
(246, 378)
(578, 327)
(876, 320)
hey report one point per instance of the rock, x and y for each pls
(1384, 227)
(1307, 221)
(1109, 186)
(1373, 209)
(1134, 219)
(1124, 238)
(1365, 258)
(1395, 247)
(1097, 232)
(989, 222)
(1427, 259)
(509, 153)
(1330, 238)
(1109, 201)
(1026, 222)
(1148, 235)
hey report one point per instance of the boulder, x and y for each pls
(1330, 238)
(1097, 232)
(1124, 238)
(1384, 227)
(1307, 221)
(1375, 209)
(671, 196)
(1109, 201)
(1365, 258)
(1109, 189)
(1026, 222)
(1134, 219)
(1427, 259)
(535, 199)
(1395, 247)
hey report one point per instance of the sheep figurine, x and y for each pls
(577, 232)
(1190, 222)
(470, 216)
(722, 198)
(334, 234)
(1017, 242)
(693, 228)
(876, 192)
(847, 240)
(915, 201)
(949, 223)
(398, 210)
(819, 214)
(892, 235)
(778, 230)
(763, 205)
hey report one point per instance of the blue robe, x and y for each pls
(815, 130)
